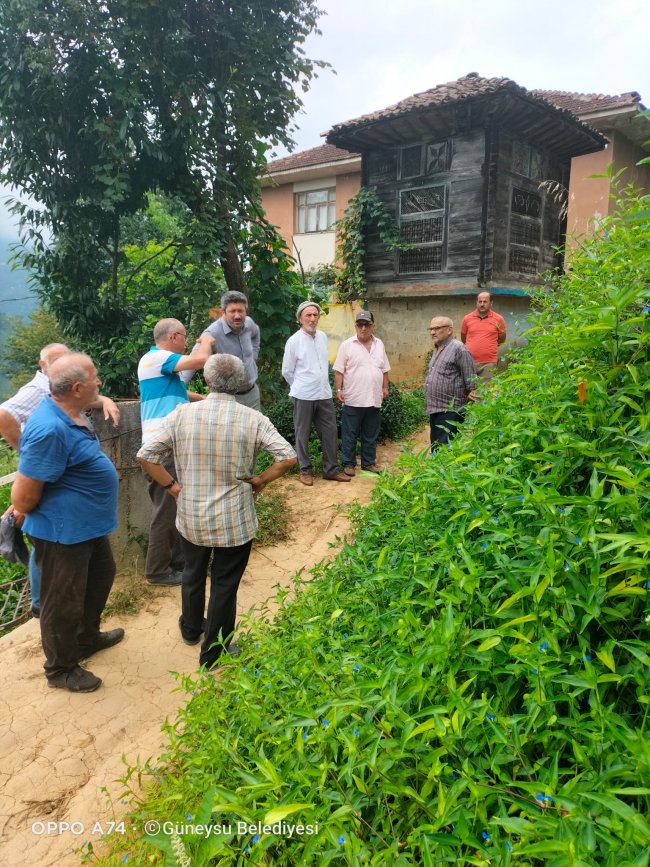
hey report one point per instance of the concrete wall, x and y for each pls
(402, 325)
(315, 248)
(312, 249)
(134, 506)
(590, 197)
(278, 206)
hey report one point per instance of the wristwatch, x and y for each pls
(170, 485)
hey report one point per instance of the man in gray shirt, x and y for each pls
(236, 334)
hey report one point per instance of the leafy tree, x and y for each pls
(101, 103)
(21, 352)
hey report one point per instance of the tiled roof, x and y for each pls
(471, 85)
(589, 103)
(315, 156)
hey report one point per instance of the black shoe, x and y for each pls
(102, 642)
(190, 641)
(173, 579)
(36, 612)
(232, 650)
(77, 680)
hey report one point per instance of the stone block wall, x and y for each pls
(402, 324)
(134, 506)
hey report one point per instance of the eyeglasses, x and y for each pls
(439, 327)
(364, 324)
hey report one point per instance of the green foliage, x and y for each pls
(274, 293)
(273, 518)
(366, 218)
(468, 680)
(102, 106)
(159, 280)
(103, 103)
(392, 414)
(21, 353)
(412, 410)
(402, 413)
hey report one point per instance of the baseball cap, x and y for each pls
(364, 316)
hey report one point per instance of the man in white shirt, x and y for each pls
(305, 367)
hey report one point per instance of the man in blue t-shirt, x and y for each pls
(67, 489)
(161, 391)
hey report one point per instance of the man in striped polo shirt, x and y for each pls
(161, 391)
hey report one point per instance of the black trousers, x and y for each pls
(75, 583)
(359, 423)
(444, 426)
(228, 566)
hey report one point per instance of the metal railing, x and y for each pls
(16, 603)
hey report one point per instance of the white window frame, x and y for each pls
(313, 213)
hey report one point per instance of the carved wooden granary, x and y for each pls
(462, 167)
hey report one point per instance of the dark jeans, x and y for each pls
(228, 566)
(359, 422)
(444, 426)
(164, 552)
(321, 414)
(75, 583)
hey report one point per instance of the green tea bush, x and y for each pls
(467, 682)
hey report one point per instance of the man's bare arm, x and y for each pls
(279, 468)
(26, 493)
(9, 429)
(159, 474)
(197, 360)
(108, 407)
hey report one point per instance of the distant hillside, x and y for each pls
(17, 298)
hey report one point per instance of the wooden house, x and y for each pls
(469, 170)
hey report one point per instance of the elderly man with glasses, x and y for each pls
(161, 390)
(361, 380)
(450, 382)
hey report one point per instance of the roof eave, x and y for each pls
(315, 170)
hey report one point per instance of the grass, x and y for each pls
(128, 598)
(274, 518)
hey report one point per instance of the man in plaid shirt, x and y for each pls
(215, 443)
(450, 382)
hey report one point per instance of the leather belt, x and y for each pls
(247, 389)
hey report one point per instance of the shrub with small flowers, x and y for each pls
(468, 681)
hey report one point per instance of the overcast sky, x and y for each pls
(385, 50)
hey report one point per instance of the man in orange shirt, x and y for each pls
(482, 331)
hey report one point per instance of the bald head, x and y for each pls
(50, 353)
(440, 328)
(164, 329)
(73, 376)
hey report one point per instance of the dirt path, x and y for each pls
(61, 754)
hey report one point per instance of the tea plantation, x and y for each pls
(467, 682)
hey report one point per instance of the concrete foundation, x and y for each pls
(402, 324)
(134, 507)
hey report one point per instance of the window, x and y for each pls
(423, 225)
(436, 156)
(315, 210)
(526, 160)
(525, 232)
